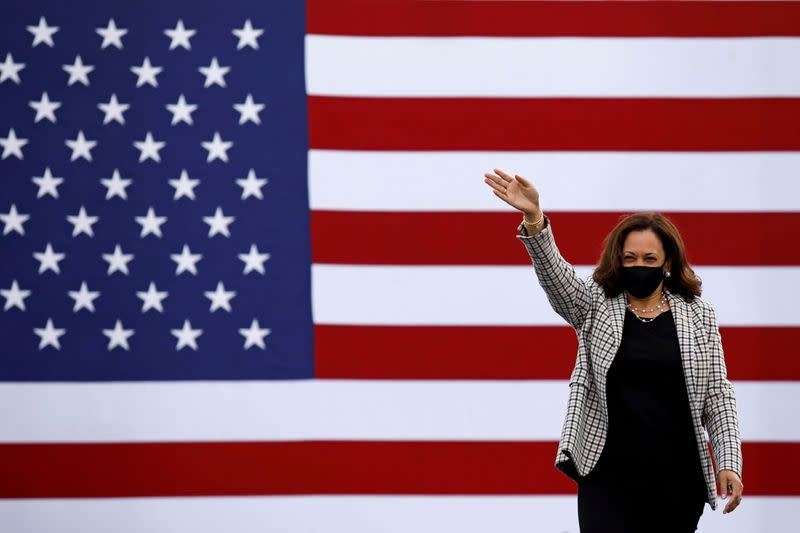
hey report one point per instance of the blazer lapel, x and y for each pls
(616, 315)
(685, 328)
(683, 325)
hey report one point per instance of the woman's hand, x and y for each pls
(516, 191)
(730, 479)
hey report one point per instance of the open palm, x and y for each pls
(515, 190)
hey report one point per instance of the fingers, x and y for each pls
(502, 184)
(731, 486)
(495, 182)
(503, 175)
(498, 187)
(736, 499)
(507, 177)
(504, 179)
(502, 197)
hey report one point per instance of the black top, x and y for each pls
(650, 429)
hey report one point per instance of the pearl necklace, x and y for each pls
(658, 307)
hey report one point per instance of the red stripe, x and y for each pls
(320, 467)
(443, 352)
(511, 352)
(588, 19)
(651, 124)
(440, 238)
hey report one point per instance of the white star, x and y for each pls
(117, 261)
(44, 108)
(78, 72)
(10, 70)
(48, 335)
(184, 186)
(82, 223)
(149, 148)
(247, 35)
(48, 260)
(220, 298)
(152, 298)
(116, 185)
(47, 184)
(214, 73)
(249, 110)
(113, 110)
(81, 147)
(12, 145)
(84, 298)
(187, 336)
(111, 35)
(14, 296)
(254, 260)
(252, 185)
(217, 148)
(13, 221)
(186, 260)
(218, 223)
(147, 73)
(254, 335)
(118, 336)
(151, 223)
(181, 111)
(42, 33)
(180, 36)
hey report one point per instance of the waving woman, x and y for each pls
(649, 375)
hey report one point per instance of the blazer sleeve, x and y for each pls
(719, 411)
(568, 294)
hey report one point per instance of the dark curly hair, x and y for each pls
(682, 280)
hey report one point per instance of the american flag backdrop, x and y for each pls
(251, 278)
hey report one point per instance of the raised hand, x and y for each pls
(516, 191)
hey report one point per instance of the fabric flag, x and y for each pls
(251, 277)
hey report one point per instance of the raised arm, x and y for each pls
(568, 294)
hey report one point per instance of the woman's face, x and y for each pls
(643, 248)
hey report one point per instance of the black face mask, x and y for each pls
(641, 281)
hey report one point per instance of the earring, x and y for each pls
(667, 273)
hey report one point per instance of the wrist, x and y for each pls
(533, 223)
(534, 217)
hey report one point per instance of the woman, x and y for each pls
(649, 375)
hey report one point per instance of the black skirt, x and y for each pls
(616, 499)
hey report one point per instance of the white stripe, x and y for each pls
(511, 295)
(528, 410)
(552, 66)
(567, 181)
(353, 514)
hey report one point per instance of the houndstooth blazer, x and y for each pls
(598, 323)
